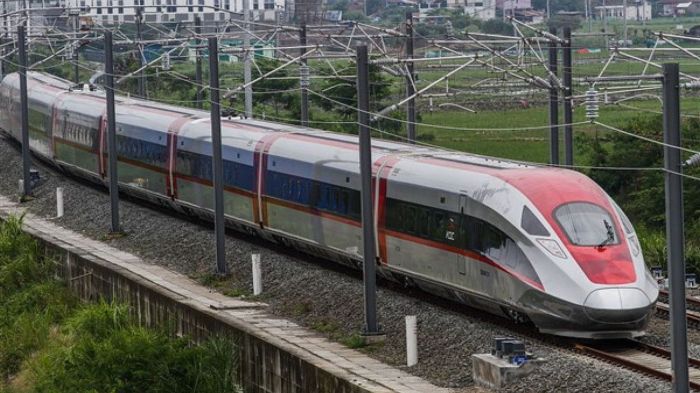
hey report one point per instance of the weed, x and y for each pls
(353, 341)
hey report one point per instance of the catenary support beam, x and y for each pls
(674, 227)
(198, 63)
(304, 77)
(218, 164)
(553, 102)
(247, 72)
(24, 109)
(371, 327)
(111, 133)
(410, 87)
(568, 99)
(142, 74)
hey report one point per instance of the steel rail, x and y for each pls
(641, 357)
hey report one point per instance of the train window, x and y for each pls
(438, 228)
(625, 221)
(531, 224)
(344, 199)
(410, 219)
(315, 194)
(424, 223)
(586, 224)
(335, 202)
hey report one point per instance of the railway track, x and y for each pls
(640, 357)
(692, 308)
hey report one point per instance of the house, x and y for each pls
(680, 7)
(480, 9)
(511, 7)
(521, 10)
(636, 10)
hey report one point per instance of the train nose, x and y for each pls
(617, 305)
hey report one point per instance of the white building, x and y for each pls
(159, 11)
(640, 10)
(480, 9)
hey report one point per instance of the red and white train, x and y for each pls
(532, 243)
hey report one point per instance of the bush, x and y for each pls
(47, 346)
(107, 352)
(29, 304)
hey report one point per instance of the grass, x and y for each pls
(227, 285)
(49, 342)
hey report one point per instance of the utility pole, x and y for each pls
(142, 73)
(5, 33)
(624, 16)
(590, 15)
(24, 108)
(198, 61)
(553, 102)
(111, 133)
(568, 101)
(247, 75)
(605, 24)
(217, 163)
(674, 226)
(371, 328)
(548, 12)
(304, 77)
(76, 50)
(410, 89)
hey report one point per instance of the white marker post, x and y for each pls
(59, 202)
(411, 340)
(257, 275)
(20, 186)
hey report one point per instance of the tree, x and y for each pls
(642, 193)
(562, 21)
(559, 5)
(496, 26)
(275, 87)
(343, 93)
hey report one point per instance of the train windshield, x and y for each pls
(586, 224)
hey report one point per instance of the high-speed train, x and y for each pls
(533, 243)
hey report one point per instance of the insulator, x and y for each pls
(304, 76)
(591, 104)
(166, 61)
(693, 161)
(692, 84)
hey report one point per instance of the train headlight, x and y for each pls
(634, 245)
(553, 247)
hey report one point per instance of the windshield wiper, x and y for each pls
(610, 235)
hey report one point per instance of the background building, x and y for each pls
(480, 9)
(640, 10)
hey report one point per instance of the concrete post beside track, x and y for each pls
(257, 274)
(411, 340)
(59, 202)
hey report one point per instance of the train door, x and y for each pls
(462, 233)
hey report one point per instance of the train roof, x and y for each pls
(328, 152)
(407, 151)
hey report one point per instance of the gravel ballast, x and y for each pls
(318, 295)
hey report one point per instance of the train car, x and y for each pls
(533, 243)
